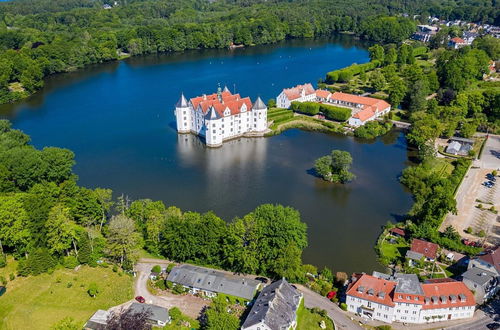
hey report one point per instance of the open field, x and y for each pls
(37, 302)
(307, 320)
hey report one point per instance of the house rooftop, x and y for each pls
(98, 321)
(478, 275)
(276, 306)
(408, 283)
(428, 249)
(155, 313)
(213, 280)
(493, 258)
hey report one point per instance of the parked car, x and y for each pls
(493, 326)
(140, 299)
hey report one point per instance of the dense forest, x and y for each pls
(42, 37)
(46, 219)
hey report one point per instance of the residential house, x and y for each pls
(398, 232)
(459, 146)
(421, 250)
(209, 282)
(275, 308)
(299, 93)
(424, 33)
(157, 315)
(483, 275)
(220, 116)
(457, 42)
(98, 321)
(402, 298)
(469, 37)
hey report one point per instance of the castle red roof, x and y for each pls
(233, 102)
(446, 295)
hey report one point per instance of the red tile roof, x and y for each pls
(428, 249)
(295, 92)
(446, 295)
(379, 105)
(366, 113)
(398, 231)
(322, 93)
(232, 101)
(493, 258)
(373, 289)
(458, 40)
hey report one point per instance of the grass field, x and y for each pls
(307, 320)
(37, 302)
(393, 251)
(441, 166)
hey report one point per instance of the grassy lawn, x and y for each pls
(307, 320)
(393, 251)
(441, 166)
(145, 254)
(181, 324)
(37, 302)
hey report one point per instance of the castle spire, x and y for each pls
(259, 104)
(182, 103)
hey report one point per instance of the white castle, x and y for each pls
(221, 116)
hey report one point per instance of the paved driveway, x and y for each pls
(490, 157)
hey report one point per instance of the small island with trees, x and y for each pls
(335, 167)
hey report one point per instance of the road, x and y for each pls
(341, 320)
(188, 304)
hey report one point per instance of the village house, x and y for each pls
(98, 321)
(425, 33)
(459, 146)
(483, 275)
(299, 93)
(402, 298)
(363, 109)
(209, 282)
(275, 308)
(421, 250)
(457, 42)
(157, 316)
(221, 116)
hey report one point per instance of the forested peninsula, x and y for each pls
(43, 37)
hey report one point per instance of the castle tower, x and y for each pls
(183, 115)
(213, 134)
(259, 112)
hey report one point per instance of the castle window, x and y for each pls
(214, 131)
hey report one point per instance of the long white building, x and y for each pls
(220, 116)
(402, 298)
(363, 109)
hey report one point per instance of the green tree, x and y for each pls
(377, 80)
(104, 196)
(376, 53)
(123, 239)
(218, 317)
(93, 289)
(14, 220)
(397, 91)
(61, 230)
(67, 323)
(391, 56)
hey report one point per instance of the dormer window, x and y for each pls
(462, 297)
(361, 288)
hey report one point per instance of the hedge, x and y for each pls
(417, 51)
(335, 113)
(346, 74)
(308, 108)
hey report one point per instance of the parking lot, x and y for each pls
(474, 199)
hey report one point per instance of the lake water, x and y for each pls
(118, 119)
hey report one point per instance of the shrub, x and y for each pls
(372, 129)
(12, 276)
(178, 289)
(115, 268)
(93, 289)
(3, 280)
(170, 267)
(169, 285)
(156, 269)
(383, 327)
(494, 173)
(70, 262)
(468, 230)
(335, 113)
(308, 108)
(3, 261)
(343, 306)
(69, 285)
(160, 284)
(175, 313)
(481, 233)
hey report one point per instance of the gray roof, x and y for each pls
(381, 275)
(156, 313)
(98, 321)
(408, 283)
(414, 255)
(478, 275)
(463, 140)
(212, 114)
(259, 104)
(453, 147)
(213, 280)
(182, 103)
(276, 306)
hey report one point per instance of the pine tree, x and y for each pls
(85, 252)
(40, 261)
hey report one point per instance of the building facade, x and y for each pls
(363, 109)
(402, 298)
(483, 275)
(220, 116)
(299, 93)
